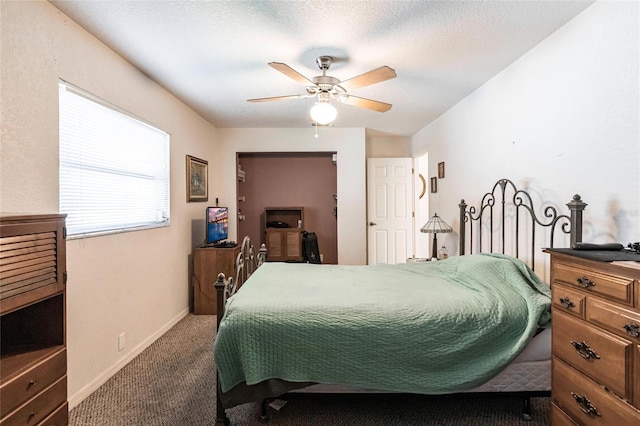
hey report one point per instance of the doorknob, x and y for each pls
(372, 224)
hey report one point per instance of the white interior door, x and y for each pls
(389, 210)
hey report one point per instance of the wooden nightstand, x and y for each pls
(208, 262)
(595, 341)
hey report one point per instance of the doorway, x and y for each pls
(296, 179)
(390, 210)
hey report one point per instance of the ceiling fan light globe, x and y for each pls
(323, 113)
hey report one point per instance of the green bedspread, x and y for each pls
(431, 328)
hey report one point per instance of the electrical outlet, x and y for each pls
(121, 342)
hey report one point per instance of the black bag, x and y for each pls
(310, 250)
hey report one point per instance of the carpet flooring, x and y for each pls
(172, 383)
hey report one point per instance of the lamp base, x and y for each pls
(434, 251)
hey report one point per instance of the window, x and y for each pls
(114, 168)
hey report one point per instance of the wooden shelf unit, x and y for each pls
(33, 378)
(284, 243)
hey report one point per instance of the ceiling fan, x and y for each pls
(325, 87)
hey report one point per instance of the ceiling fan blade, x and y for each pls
(278, 98)
(290, 72)
(366, 103)
(374, 76)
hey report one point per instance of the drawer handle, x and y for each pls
(567, 303)
(32, 383)
(633, 329)
(585, 282)
(585, 351)
(585, 404)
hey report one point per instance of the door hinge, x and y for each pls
(64, 277)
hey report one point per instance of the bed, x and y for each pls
(478, 322)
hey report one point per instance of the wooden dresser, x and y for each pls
(596, 341)
(33, 375)
(208, 262)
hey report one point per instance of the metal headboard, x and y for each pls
(493, 209)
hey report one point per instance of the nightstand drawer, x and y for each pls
(39, 408)
(615, 287)
(619, 320)
(599, 354)
(587, 402)
(29, 383)
(568, 300)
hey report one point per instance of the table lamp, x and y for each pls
(434, 226)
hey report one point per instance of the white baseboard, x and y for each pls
(91, 387)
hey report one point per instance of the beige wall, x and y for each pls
(561, 120)
(136, 282)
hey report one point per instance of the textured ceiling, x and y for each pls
(213, 55)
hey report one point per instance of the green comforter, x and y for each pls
(432, 328)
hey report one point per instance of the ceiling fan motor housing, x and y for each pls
(324, 62)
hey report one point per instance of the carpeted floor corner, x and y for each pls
(172, 383)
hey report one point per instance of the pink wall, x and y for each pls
(306, 180)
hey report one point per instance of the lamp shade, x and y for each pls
(436, 225)
(323, 113)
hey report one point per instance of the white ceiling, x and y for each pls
(213, 55)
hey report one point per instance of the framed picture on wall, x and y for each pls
(441, 170)
(197, 178)
(434, 185)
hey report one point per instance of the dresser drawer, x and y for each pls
(586, 402)
(38, 408)
(60, 417)
(560, 418)
(29, 383)
(636, 390)
(619, 320)
(603, 356)
(615, 287)
(568, 300)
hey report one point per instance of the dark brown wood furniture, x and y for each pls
(283, 233)
(33, 377)
(208, 262)
(596, 341)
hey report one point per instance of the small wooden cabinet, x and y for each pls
(283, 233)
(208, 262)
(595, 341)
(284, 245)
(33, 377)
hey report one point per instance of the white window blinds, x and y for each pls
(114, 168)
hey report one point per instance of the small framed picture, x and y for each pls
(197, 178)
(441, 170)
(434, 185)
